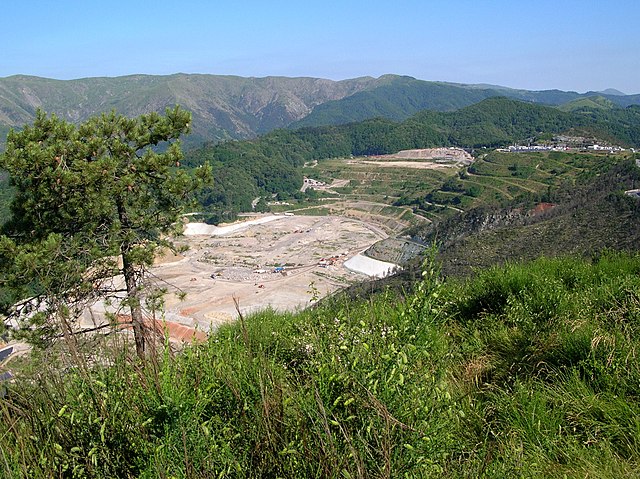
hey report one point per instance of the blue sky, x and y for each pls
(536, 44)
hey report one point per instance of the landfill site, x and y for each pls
(283, 262)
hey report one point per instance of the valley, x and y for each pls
(385, 206)
(300, 252)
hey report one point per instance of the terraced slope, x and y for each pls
(587, 213)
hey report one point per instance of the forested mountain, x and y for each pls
(223, 107)
(397, 98)
(232, 107)
(271, 164)
(493, 122)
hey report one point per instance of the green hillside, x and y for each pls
(272, 163)
(401, 97)
(398, 99)
(591, 103)
(524, 369)
(580, 216)
(223, 107)
(493, 122)
(497, 179)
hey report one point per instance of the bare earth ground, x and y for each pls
(424, 159)
(217, 269)
(421, 165)
(454, 155)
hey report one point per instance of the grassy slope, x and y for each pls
(594, 102)
(408, 197)
(498, 178)
(524, 371)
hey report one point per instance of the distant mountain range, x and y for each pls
(223, 107)
(398, 98)
(231, 107)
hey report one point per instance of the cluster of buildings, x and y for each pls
(611, 149)
(522, 148)
(561, 147)
(325, 262)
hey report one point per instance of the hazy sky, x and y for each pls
(536, 44)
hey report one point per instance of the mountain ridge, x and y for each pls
(233, 107)
(223, 106)
(417, 95)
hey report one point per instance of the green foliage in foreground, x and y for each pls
(527, 371)
(6, 194)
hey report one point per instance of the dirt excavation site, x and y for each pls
(283, 262)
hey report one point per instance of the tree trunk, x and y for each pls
(129, 272)
(134, 303)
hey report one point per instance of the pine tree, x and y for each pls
(111, 187)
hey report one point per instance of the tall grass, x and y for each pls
(525, 371)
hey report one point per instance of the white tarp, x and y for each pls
(369, 266)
